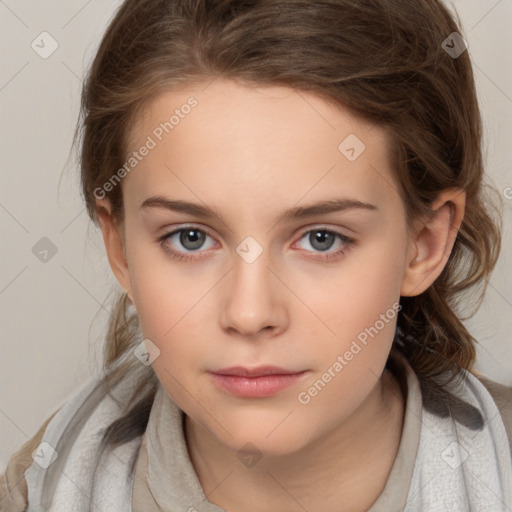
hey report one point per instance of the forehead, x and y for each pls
(235, 138)
(252, 110)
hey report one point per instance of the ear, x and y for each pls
(433, 241)
(114, 243)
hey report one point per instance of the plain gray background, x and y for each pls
(53, 312)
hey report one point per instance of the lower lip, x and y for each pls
(256, 387)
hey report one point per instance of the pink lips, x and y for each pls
(257, 382)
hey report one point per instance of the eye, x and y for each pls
(321, 240)
(185, 240)
(183, 243)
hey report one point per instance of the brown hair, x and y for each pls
(382, 58)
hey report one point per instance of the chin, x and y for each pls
(267, 437)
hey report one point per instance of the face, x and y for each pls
(272, 298)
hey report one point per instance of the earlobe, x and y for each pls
(433, 242)
(114, 245)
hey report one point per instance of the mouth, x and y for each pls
(258, 382)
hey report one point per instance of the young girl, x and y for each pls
(291, 198)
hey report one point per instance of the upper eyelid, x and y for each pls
(173, 231)
(318, 227)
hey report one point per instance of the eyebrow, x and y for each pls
(297, 212)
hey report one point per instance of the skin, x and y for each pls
(250, 153)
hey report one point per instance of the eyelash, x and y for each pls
(326, 256)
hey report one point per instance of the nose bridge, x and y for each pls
(253, 301)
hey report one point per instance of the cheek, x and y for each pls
(375, 291)
(164, 291)
(166, 317)
(352, 296)
(361, 306)
(170, 304)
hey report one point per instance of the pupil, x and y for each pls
(321, 240)
(194, 236)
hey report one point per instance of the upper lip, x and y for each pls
(258, 371)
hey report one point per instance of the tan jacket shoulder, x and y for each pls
(13, 486)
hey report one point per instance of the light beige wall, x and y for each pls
(46, 308)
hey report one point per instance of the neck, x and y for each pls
(348, 467)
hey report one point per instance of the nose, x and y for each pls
(254, 300)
